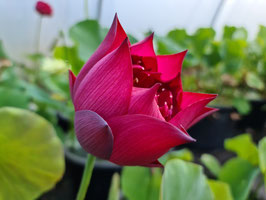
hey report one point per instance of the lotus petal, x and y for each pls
(107, 87)
(93, 134)
(141, 139)
(113, 39)
(143, 102)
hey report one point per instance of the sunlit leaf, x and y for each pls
(31, 155)
(220, 190)
(244, 147)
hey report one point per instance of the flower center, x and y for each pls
(144, 78)
(164, 98)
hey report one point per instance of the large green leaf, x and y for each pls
(87, 35)
(211, 163)
(140, 183)
(114, 191)
(184, 181)
(135, 182)
(31, 155)
(262, 158)
(240, 175)
(220, 190)
(244, 147)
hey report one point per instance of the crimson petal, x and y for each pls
(113, 39)
(107, 87)
(72, 79)
(93, 134)
(143, 102)
(141, 139)
(143, 48)
(189, 98)
(170, 66)
(187, 117)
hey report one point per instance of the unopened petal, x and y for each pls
(93, 134)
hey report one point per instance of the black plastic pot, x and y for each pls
(67, 188)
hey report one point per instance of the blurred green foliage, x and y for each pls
(183, 179)
(232, 66)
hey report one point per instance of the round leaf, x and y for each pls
(184, 180)
(31, 155)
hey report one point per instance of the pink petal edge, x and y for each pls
(72, 79)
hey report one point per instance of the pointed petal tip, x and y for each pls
(124, 44)
(115, 18)
(151, 36)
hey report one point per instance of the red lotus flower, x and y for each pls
(43, 8)
(133, 125)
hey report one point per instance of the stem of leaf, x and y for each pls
(86, 178)
(86, 9)
(39, 30)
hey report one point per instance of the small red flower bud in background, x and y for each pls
(43, 8)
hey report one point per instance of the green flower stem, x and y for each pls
(86, 178)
